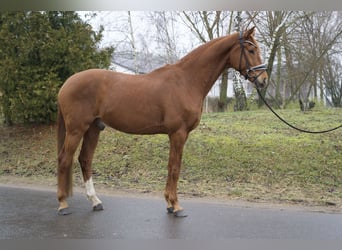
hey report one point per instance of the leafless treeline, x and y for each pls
(303, 50)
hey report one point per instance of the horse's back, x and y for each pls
(90, 85)
(88, 78)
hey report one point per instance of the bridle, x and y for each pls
(249, 69)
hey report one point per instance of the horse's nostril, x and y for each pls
(261, 84)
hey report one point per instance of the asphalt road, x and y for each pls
(31, 214)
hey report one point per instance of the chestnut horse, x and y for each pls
(167, 100)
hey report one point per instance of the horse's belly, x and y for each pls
(135, 124)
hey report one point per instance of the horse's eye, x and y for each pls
(251, 51)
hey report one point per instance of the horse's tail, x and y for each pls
(61, 131)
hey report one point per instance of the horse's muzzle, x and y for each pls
(260, 82)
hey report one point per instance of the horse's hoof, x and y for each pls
(64, 211)
(170, 210)
(180, 214)
(98, 207)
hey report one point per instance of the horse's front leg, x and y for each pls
(85, 159)
(177, 141)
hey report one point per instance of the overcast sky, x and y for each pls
(114, 23)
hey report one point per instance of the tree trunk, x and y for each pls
(240, 94)
(222, 103)
(134, 50)
(278, 78)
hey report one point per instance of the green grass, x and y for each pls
(241, 155)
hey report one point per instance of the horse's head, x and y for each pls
(247, 59)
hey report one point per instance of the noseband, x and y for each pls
(249, 69)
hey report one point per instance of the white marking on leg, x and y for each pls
(91, 194)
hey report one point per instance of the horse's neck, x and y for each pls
(206, 63)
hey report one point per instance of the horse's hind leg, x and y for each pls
(65, 160)
(85, 158)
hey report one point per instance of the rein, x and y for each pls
(290, 125)
(262, 68)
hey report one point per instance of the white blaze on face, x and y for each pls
(91, 194)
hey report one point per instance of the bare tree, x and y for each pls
(165, 36)
(121, 34)
(297, 44)
(332, 77)
(132, 42)
(321, 33)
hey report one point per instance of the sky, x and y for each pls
(115, 21)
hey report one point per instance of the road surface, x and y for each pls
(31, 214)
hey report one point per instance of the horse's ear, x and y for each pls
(249, 33)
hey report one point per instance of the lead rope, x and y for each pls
(292, 126)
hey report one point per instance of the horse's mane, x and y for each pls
(199, 50)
